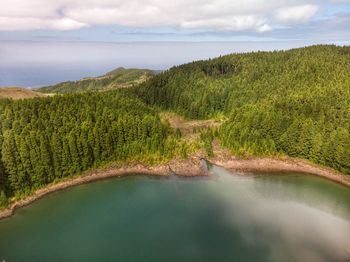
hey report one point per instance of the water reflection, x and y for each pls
(295, 221)
(228, 217)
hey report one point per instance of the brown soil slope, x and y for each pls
(17, 93)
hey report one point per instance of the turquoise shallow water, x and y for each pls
(224, 218)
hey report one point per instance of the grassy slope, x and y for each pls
(17, 93)
(118, 78)
(190, 129)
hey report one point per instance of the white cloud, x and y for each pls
(235, 23)
(296, 14)
(65, 24)
(17, 23)
(234, 15)
(264, 28)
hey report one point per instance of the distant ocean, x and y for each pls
(34, 64)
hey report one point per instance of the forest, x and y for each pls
(43, 140)
(294, 103)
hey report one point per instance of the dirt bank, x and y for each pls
(191, 167)
(185, 168)
(286, 164)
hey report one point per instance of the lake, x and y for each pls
(227, 217)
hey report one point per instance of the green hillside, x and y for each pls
(45, 139)
(118, 78)
(294, 102)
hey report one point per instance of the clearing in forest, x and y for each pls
(190, 129)
(17, 93)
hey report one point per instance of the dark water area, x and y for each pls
(290, 217)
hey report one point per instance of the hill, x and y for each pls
(17, 93)
(118, 78)
(294, 102)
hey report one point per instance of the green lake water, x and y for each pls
(290, 217)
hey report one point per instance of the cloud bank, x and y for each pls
(221, 15)
(296, 14)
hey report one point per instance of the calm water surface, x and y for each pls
(225, 218)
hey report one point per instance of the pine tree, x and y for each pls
(3, 199)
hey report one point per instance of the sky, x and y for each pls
(47, 41)
(178, 20)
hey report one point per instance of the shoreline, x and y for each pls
(191, 167)
(283, 165)
(183, 168)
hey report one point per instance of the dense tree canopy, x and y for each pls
(45, 139)
(294, 102)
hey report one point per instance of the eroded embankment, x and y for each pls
(286, 164)
(192, 167)
(186, 168)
